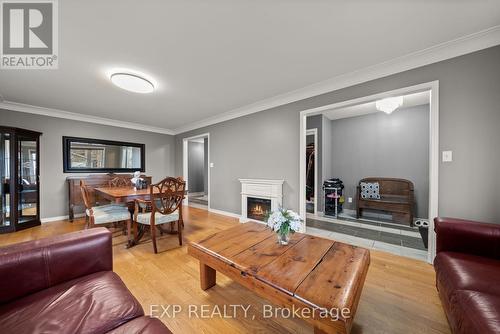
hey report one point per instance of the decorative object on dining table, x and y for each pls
(142, 184)
(284, 222)
(138, 182)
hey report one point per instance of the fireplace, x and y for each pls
(259, 197)
(258, 208)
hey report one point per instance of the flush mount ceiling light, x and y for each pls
(132, 82)
(389, 104)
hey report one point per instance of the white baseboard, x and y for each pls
(58, 218)
(197, 193)
(196, 205)
(225, 213)
(234, 215)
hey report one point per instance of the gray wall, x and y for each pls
(395, 145)
(196, 167)
(255, 146)
(266, 144)
(54, 193)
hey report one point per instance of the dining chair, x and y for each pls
(120, 181)
(166, 207)
(104, 214)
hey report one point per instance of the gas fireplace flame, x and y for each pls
(257, 210)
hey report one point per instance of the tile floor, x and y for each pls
(401, 241)
(198, 200)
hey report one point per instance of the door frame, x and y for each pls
(314, 132)
(185, 164)
(433, 87)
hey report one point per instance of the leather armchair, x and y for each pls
(467, 268)
(463, 236)
(65, 284)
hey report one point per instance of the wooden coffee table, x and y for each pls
(313, 274)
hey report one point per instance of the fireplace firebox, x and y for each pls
(258, 208)
(258, 197)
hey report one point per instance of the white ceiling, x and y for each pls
(409, 100)
(212, 57)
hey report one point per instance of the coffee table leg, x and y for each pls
(207, 276)
(318, 330)
(322, 329)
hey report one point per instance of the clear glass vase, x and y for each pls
(283, 238)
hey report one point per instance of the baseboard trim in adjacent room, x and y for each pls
(196, 193)
(350, 211)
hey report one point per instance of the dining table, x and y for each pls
(127, 195)
(124, 194)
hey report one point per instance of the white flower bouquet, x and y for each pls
(284, 222)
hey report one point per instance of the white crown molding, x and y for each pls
(26, 108)
(454, 48)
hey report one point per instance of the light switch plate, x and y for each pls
(447, 156)
(211, 164)
(349, 200)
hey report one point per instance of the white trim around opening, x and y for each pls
(185, 163)
(433, 87)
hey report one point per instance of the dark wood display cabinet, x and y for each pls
(20, 179)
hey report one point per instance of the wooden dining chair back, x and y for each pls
(85, 195)
(167, 195)
(103, 214)
(120, 181)
(166, 207)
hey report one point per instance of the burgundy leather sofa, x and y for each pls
(66, 284)
(467, 268)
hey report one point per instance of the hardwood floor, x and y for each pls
(399, 295)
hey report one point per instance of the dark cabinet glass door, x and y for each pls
(5, 180)
(19, 179)
(27, 178)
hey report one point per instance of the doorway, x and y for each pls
(196, 171)
(432, 168)
(312, 170)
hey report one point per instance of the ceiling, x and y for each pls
(409, 100)
(213, 57)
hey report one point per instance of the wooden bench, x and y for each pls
(396, 197)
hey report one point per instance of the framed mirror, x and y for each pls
(85, 155)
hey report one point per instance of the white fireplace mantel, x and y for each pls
(260, 188)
